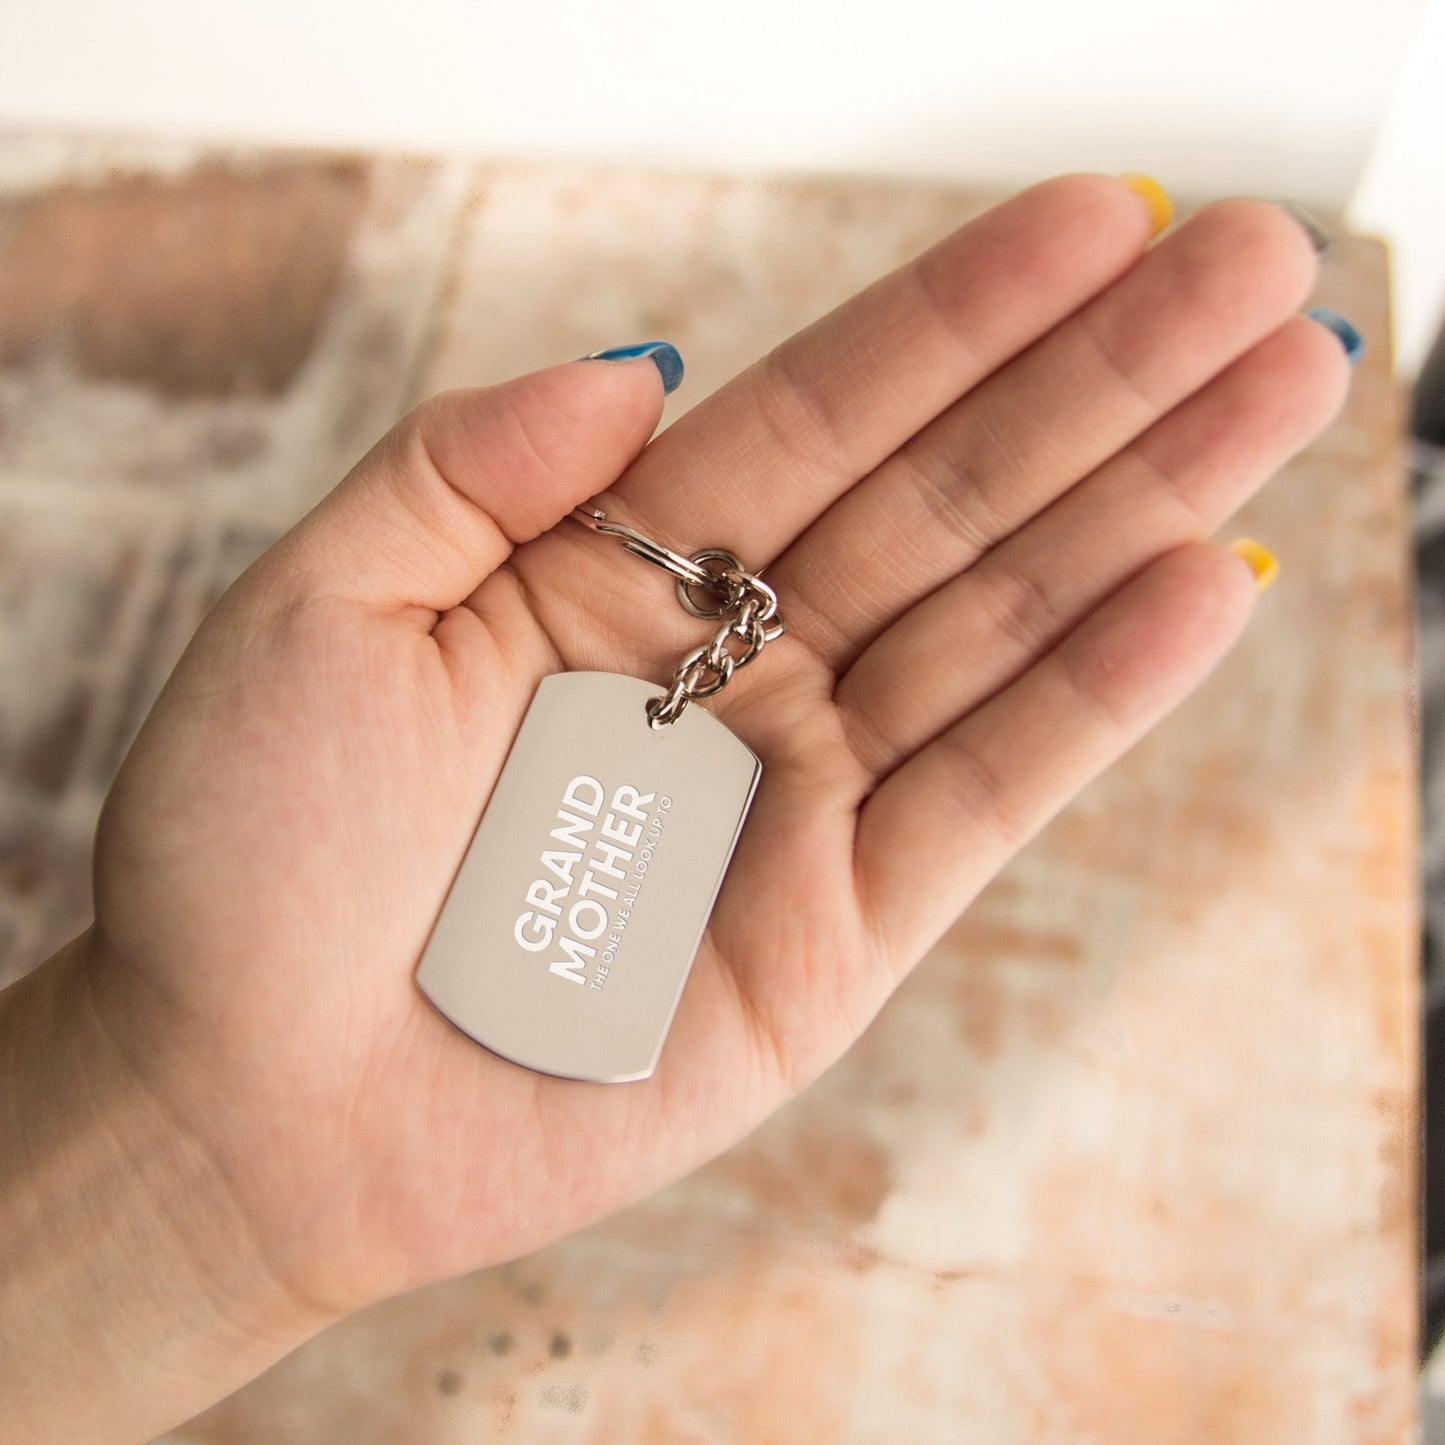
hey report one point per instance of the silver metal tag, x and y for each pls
(579, 906)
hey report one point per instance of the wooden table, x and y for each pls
(1130, 1157)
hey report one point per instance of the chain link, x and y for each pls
(708, 668)
(747, 605)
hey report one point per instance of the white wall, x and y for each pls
(1271, 97)
(1402, 194)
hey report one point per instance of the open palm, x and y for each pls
(980, 489)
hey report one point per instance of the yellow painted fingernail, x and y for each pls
(1161, 208)
(1262, 562)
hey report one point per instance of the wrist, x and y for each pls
(133, 1292)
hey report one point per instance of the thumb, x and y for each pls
(438, 503)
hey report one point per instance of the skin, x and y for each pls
(981, 489)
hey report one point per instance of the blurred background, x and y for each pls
(235, 241)
(1306, 98)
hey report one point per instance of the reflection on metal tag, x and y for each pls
(574, 918)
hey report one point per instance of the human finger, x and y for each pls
(1175, 484)
(940, 826)
(751, 466)
(443, 498)
(1202, 297)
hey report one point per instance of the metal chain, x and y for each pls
(747, 605)
(707, 669)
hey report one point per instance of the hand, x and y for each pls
(980, 489)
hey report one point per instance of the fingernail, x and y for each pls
(1320, 238)
(663, 354)
(1262, 562)
(1350, 339)
(1161, 208)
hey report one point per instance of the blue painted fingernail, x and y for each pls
(1350, 339)
(663, 354)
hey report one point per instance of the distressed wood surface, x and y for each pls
(1129, 1158)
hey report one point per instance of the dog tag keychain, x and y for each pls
(574, 918)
